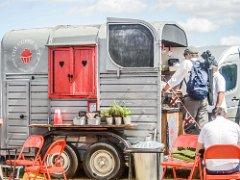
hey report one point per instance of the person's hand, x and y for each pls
(215, 109)
(178, 90)
(166, 88)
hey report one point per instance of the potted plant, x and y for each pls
(126, 115)
(117, 113)
(106, 113)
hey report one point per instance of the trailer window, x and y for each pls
(229, 72)
(131, 45)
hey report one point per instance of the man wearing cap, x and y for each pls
(219, 87)
(197, 108)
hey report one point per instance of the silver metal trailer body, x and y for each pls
(129, 55)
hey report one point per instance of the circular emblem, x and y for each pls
(26, 55)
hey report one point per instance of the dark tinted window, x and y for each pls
(229, 72)
(131, 45)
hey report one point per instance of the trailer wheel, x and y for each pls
(103, 161)
(69, 160)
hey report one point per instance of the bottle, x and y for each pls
(57, 117)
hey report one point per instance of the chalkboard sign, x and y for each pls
(131, 45)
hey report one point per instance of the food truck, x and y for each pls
(88, 68)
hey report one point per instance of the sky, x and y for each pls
(206, 22)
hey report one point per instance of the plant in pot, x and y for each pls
(126, 115)
(117, 113)
(106, 113)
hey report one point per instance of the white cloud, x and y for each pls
(230, 40)
(220, 11)
(112, 6)
(66, 1)
(198, 25)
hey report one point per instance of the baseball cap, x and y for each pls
(190, 50)
(193, 50)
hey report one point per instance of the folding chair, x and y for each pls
(55, 150)
(221, 151)
(183, 141)
(33, 141)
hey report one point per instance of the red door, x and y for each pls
(61, 72)
(84, 72)
(72, 72)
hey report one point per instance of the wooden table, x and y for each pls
(85, 127)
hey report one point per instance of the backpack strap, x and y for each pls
(184, 80)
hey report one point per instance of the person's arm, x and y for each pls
(220, 98)
(221, 87)
(199, 146)
(177, 77)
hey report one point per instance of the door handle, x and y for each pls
(235, 99)
(21, 116)
(70, 76)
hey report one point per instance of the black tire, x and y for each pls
(111, 159)
(69, 160)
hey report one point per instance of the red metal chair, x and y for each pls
(55, 149)
(221, 151)
(183, 141)
(33, 141)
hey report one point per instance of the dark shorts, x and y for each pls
(230, 171)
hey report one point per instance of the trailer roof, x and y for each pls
(62, 35)
(73, 35)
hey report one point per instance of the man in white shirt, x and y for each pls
(220, 131)
(219, 87)
(197, 108)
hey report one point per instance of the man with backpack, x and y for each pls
(193, 79)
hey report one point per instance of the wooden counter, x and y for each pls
(85, 127)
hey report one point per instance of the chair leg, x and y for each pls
(200, 171)
(1, 173)
(164, 171)
(191, 174)
(174, 173)
(45, 176)
(49, 176)
(64, 175)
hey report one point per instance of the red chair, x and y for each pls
(55, 149)
(221, 151)
(183, 141)
(33, 141)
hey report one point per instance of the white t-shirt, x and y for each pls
(219, 85)
(181, 73)
(220, 131)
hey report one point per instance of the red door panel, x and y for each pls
(61, 72)
(84, 71)
(72, 72)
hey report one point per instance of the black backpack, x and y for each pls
(198, 84)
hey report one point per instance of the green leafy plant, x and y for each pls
(116, 110)
(106, 113)
(126, 112)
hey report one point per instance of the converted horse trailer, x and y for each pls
(86, 68)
